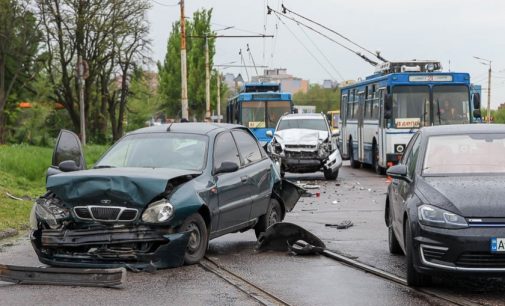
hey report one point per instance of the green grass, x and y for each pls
(22, 174)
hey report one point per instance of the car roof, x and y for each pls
(459, 129)
(202, 128)
(304, 116)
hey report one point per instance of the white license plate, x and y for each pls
(497, 245)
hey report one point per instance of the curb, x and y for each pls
(10, 232)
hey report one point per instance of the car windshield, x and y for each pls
(465, 154)
(450, 105)
(311, 124)
(158, 150)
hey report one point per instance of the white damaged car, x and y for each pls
(304, 143)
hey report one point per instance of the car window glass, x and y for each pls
(248, 147)
(408, 150)
(225, 150)
(158, 150)
(412, 160)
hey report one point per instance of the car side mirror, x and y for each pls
(68, 166)
(388, 102)
(227, 167)
(476, 113)
(269, 133)
(476, 101)
(388, 114)
(399, 172)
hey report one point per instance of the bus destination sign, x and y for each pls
(430, 78)
(407, 122)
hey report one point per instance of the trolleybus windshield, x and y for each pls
(451, 105)
(411, 106)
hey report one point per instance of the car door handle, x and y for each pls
(244, 178)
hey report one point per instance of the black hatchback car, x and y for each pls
(156, 197)
(445, 208)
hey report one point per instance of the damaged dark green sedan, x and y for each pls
(157, 197)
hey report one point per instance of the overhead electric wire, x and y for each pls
(375, 54)
(373, 63)
(305, 47)
(322, 54)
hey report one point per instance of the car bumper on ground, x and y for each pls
(135, 247)
(458, 250)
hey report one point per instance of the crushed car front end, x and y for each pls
(108, 219)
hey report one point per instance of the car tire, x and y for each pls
(272, 216)
(198, 240)
(394, 245)
(354, 163)
(414, 278)
(330, 175)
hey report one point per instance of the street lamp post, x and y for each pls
(488, 87)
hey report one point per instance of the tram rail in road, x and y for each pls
(252, 290)
(447, 298)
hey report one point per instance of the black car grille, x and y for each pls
(101, 213)
(431, 254)
(481, 260)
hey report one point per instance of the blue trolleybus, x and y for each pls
(380, 114)
(259, 106)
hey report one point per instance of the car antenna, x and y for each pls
(168, 128)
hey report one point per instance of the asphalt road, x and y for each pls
(358, 195)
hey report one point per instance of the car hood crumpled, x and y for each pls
(301, 136)
(469, 196)
(135, 186)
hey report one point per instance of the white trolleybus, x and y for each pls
(379, 115)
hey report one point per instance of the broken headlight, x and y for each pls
(47, 210)
(159, 211)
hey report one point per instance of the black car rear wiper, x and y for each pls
(103, 166)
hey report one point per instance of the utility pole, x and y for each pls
(489, 94)
(207, 79)
(219, 97)
(184, 73)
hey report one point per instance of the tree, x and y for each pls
(170, 71)
(324, 99)
(110, 35)
(19, 39)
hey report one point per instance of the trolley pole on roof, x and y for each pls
(184, 74)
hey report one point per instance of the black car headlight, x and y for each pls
(437, 217)
(159, 211)
(52, 214)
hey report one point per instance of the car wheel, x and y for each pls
(354, 163)
(394, 245)
(198, 239)
(330, 175)
(414, 278)
(272, 216)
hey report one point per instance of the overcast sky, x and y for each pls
(451, 31)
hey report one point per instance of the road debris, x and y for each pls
(283, 236)
(23, 198)
(342, 225)
(63, 276)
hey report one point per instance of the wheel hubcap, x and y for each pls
(273, 217)
(194, 237)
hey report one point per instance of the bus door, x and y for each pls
(381, 144)
(361, 145)
(342, 124)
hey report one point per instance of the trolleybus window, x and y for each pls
(409, 106)
(275, 109)
(450, 104)
(253, 114)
